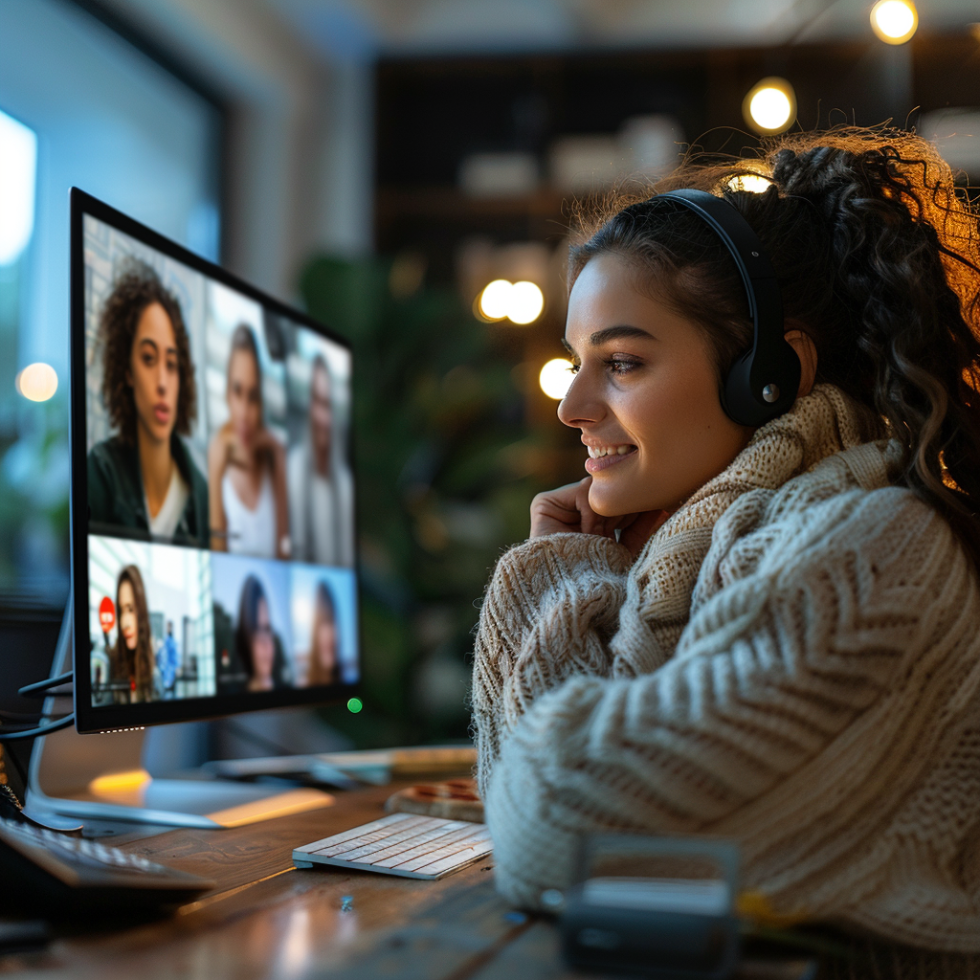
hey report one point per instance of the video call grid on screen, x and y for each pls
(212, 490)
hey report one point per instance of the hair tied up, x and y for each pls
(878, 260)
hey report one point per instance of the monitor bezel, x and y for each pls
(90, 718)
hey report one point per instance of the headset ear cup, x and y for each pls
(782, 369)
(736, 393)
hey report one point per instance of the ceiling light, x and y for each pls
(770, 106)
(894, 21)
(556, 377)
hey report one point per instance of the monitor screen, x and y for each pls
(212, 504)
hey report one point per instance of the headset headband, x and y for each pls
(763, 382)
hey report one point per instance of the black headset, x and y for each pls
(764, 380)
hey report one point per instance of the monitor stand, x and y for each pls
(101, 778)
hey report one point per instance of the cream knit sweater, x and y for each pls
(793, 661)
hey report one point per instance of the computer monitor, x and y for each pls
(212, 488)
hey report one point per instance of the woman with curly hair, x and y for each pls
(131, 660)
(143, 478)
(761, 632)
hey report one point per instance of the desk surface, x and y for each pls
(266, 919)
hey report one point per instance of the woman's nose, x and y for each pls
(579, 406)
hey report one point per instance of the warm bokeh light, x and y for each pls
(894, 21)
(770, 106)
(754, 183)
(555, 377)
(519, 302)
(495, 299)
(525, 303)
(37, 382)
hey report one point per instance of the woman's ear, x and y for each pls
(806, 351)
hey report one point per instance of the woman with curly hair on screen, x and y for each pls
(765, 632)
(143, 478)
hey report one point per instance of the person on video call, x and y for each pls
(168, 662)
(143, 477)
(320, 483)
(324, 662)
(766, 633)
(247, 464)
(255, 641)
(131, 659)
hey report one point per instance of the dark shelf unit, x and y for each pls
(433, 112)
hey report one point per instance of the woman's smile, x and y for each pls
(602, 457)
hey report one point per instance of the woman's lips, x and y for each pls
(162, 413)
(604, 462)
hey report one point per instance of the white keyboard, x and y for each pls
(401, 844)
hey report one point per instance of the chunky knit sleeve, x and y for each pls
(570, 583)
(825, 684)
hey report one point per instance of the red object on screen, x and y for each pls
(107, 614)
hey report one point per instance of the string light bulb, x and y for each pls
(556, 377)
(770, 106)
(754, 183)
(894, 21)
(495, 299)
(520, 302)
(525, 303)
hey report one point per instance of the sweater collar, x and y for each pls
(824, 424)
(820, 424)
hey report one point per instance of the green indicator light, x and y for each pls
(354, 705)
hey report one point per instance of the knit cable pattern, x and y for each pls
(793, 661)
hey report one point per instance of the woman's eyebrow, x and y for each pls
(153, 344)
(619, 333)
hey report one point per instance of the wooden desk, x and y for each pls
(266, 919)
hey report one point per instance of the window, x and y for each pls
(82, 106)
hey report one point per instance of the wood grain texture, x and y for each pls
(266, 920)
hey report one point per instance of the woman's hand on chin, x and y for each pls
(567, 509)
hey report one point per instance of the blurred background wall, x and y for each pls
(381, 162)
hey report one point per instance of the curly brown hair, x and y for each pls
(136, 288)
(878, 259)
